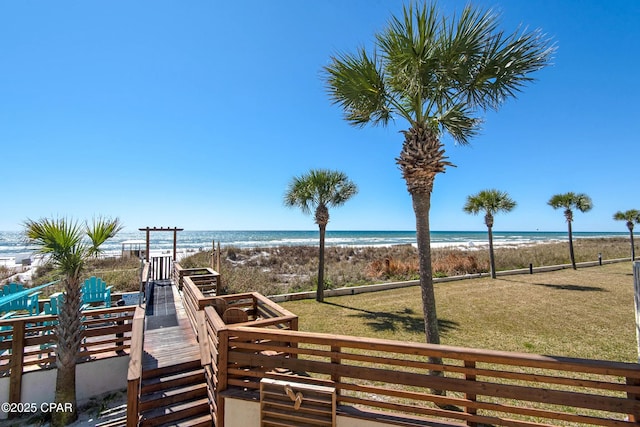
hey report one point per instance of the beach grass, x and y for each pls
(121, 273)
(288, 269)
(586, 313)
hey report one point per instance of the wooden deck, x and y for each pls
(168, 338)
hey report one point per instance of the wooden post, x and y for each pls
(218, 258)
(470, 364)
(335, 359)
(635, 417)
(213, 254)
(175, 244)
(147, 251)
(175, 230)
(17, 354)
(223, 360)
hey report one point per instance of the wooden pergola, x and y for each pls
(175, 230)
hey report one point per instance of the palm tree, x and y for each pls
(64, 242)
(631, 216)
(570, 201)
(316, 191)
(436, 74)
(491, 202)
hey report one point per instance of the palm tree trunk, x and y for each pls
(421, 206)
(571, 253)
(69, 339)
(633, 248)
(320, 287)
(65, 393)
(492, 259)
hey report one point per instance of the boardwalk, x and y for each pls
(169, 338)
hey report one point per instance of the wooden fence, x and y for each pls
(394, 382)
(204, 276)
(383, 378)
(134, 373)
(161, 267)
(263, 314)
(28, 343)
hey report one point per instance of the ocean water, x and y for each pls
(12, 244)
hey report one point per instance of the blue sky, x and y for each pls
(197, 114)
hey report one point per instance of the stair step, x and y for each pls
(201, 421)
(168, 370)
(173, 380)
(116, 422)
(172, 414)
(164, 398)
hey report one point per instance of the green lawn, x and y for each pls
(588, 313)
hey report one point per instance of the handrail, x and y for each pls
(145, 276)
(179, 273)
(134, 373)
(5, 299)
(488, 387)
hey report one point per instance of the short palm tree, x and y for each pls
(317, 191)
(631, 217)
(569, 202)
(435, 74)
(490, 202)
(65, 243)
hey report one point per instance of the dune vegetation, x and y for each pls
(294, 268)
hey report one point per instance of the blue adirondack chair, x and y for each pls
(95, 290)
(15, 297)
(51, 307)
(4, 336)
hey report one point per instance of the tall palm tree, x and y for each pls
(491, 202)
(436, 74)
(631, 216)
(64, 242)
(569, 202)
(317, 191)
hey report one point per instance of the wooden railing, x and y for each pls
(199, 288)
(382, 378)
(28, 343)
(214, 337)
(134, 373)
(161, 267)
(204, 276)
(260, 312)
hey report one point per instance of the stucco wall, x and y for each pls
(245, 413)
(92, 379)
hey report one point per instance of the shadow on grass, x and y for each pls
(404, 319)
(572, 287)
(578, 288)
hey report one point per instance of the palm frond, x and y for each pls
(571, 200)
(101, 230)
(631, 215)
(434, 68)
(61, 239)
(507, 66)
(319, 187)
(458, 123)
(490, 201)
(355, 82)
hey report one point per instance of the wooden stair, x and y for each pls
(175, 396)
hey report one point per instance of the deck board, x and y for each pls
(169, 338)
